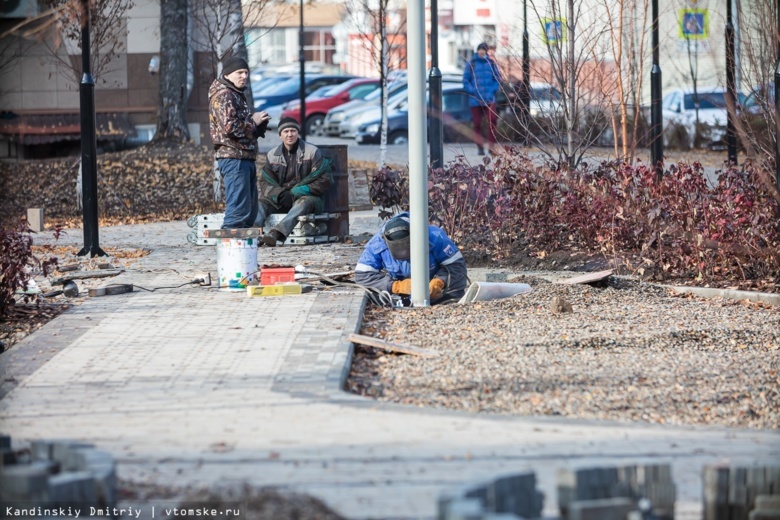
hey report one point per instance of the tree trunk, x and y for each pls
(236, 32)
(172, 108)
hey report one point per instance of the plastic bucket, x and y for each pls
(236, 263)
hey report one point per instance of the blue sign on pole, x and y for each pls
(554, 30)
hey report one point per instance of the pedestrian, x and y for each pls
(234, 132)
(481, 79)
(295, 180)
(385, 265)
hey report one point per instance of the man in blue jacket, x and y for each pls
(385, 265)
(481, 79)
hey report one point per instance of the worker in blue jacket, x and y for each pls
(385, 265)
(481, 80)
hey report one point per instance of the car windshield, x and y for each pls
(392, 90)
(323, 91)
(545, 94)
(709, 100)
(285, 88)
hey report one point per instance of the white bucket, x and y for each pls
(236, 263)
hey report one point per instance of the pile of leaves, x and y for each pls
(673, 227)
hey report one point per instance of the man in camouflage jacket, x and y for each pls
(295, 180)
(234, 132)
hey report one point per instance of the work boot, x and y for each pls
(272, 237)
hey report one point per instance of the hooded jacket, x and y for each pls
(233, 132)
(311, 176)
(481, 80)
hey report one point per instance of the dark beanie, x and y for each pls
(482, 47)
(288, 122)
(233, 64)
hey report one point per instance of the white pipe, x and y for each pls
(481, 291)
(418, 140)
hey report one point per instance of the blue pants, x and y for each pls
(240, 177)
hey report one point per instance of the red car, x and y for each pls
(318, 105)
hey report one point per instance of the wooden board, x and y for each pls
(392, 347)
(587, 278)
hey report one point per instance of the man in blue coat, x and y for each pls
(481, 79)
(385, 265)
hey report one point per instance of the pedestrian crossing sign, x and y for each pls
(694, 24)
(554, 30)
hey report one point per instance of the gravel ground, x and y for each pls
(629, 351)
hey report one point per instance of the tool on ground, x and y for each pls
(111, 290)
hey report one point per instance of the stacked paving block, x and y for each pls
(507, 497)
(311, 229)
(359, 196)
(54, 474)
(606, 493)
(741, 493)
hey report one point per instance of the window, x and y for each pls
(361, 91)
(318, 45)
(455, 102)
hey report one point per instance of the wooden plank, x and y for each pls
(587, 278)
(83, 275)
(392, 347)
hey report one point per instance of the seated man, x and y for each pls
(385, 265)
(294, 180)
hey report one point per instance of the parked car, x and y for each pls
(336, 115)
(272, 98)
(679, 112)
(456, 118)
(318, 103)
(545, 98)
(349, 125)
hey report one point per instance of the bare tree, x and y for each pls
(61, 24)
(173, 97)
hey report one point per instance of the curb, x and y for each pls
(731, 294)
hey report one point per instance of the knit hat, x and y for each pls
(233, 64)
(482, 47)
(288, 122)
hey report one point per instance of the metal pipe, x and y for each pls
(656, 111)
(89, 191)
(731, 134)
(418, 170)
(302, 88)
(434, 80)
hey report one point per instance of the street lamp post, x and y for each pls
(434, 80)
(731, 134)
(89, 193)
(656, 114)
(302, 59)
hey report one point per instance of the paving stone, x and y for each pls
(73, 488)
(600, 509)
(27, 483)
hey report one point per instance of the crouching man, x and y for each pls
(385, 265)
(295, 180)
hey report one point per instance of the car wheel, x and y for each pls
(398, 137)
(314, 124)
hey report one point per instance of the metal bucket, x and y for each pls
(236, 263)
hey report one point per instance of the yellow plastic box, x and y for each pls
(274, 290)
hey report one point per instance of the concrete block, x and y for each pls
(25, 483)
(601, 509)
(5, 442)
(515, 494)
(767, 502)
(764, 514)
(73, 487)
(464, 509)
(501, 516)
(35, 219)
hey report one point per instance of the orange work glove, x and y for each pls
(402, 286)
(437, 288)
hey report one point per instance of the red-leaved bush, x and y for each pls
(677, 226)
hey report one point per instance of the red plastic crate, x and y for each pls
(274, 275)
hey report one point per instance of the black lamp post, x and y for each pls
(89, 192)
(434, 80)
(731, 134)
(656, 114)
(525, 102)
(302, 59)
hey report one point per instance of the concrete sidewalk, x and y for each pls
(195, 386)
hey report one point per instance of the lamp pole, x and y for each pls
(302, 90)
(525, 101)
(731, 134)
(435, 124)
(89, 191)
(656, 114)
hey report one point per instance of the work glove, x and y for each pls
(300, 191)
(402, 286)
(285, 200)
(437, 288)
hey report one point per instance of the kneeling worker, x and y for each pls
(294, 180)
(385, 265)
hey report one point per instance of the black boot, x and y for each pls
(272, 237)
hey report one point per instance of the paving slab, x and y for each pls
(196, 386)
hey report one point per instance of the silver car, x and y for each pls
(336, 115)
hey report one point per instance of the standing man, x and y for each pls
(481, 79)
(295, 180)
(385, 264)
(234, 132)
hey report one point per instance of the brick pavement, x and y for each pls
(196, 386)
